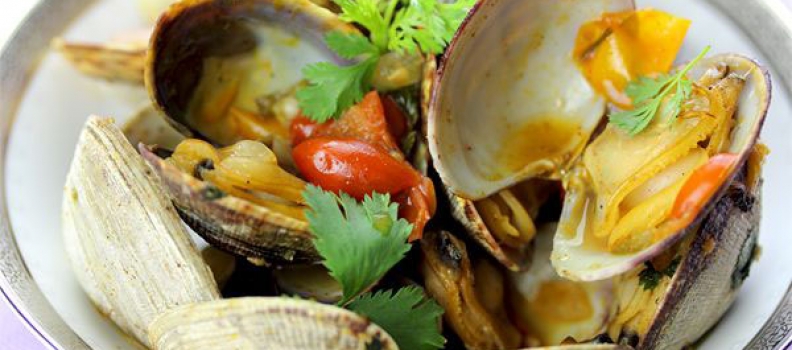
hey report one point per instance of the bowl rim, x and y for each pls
(768, 23)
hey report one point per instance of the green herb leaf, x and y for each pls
(427, 25)
(366, 13)
(350, 46)
(333, 88)
(359, 242)
(418, 25)
(649, 96)
(408, 316)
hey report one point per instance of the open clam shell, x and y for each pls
(231, 223)
(493, 125)
(266, 323)
(510, 62)
(533, 62)
(130, 251)
(575, 257)
(231, 46)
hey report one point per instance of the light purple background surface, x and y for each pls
(14, 334)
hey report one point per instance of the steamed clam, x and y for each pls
(487, 166)
(134, 266)
(247, 57)
(244, 197)
(638, 204)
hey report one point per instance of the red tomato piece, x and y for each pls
(364, 121)
(417, 205)
(352, 166)
(301, 129)
(702, 185)
(395, 117)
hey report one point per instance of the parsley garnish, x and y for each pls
(418, 25)
(408, 316)
(649, 95)
(359, 242)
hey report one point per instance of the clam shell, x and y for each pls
(464, 211)
(708, 279)
(193, 30)
(266, 323)
(231, 223)
(460, 130)
(510, 67)
(578, 261)
(130, 251)
(123, 63)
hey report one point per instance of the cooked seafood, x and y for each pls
(134, 266)
(613, 201)
(481, 161)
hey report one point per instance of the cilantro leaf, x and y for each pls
(333, 88)
(408, 316)
(418, 25)
(646, 88)
(359, 242)
(634, 121)
(350, 46)
(427, 24)
(366, 13)
(654, 96)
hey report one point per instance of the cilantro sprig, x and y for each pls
(408, 316)
(665, 93)
(404, 26)
(359, 243)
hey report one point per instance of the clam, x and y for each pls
(266, 323)
(136, 265)
(244, 60)
(448, 272)
(479, 159)
(536, 118)
(209, 61)
(541, 126)
(225, 72)
(738, 91)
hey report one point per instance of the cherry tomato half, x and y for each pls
(352, 166)
(701, 185)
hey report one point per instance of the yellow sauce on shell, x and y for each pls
(561, 301)
(544, 138)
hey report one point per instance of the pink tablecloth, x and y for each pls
(15, 336)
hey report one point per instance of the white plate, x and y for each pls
(59, 99)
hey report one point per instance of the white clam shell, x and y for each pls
(130, 251)
(501, 75)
